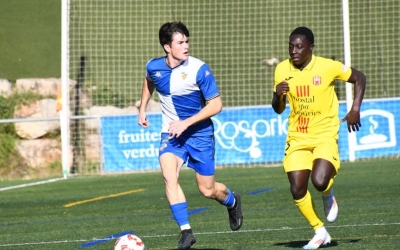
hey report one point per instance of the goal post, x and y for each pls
(64, 112)
(347, 61)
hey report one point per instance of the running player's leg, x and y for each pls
(298, 186)
(297, 163)
(325, 168)
(218, 191)
(201, 151)
(302, 197)
(171, 160)
(170, 167)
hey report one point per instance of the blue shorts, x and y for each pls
(198, 152)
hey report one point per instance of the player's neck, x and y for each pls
(172, 63)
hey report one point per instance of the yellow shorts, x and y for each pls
(300, 153)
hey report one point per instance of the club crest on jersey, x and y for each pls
(317, 80)
(184, 75)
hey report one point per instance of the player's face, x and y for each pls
(179, 48)
(300, 50)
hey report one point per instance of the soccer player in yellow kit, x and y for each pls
(308, 82)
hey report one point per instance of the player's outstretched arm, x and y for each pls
(359, 81)
(353, 116)
(147, 91)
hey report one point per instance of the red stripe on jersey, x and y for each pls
(302, 124)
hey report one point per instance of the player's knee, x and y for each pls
(207, 192)
(320, 185)
(298, 192)
(170, 180)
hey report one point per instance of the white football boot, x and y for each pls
(330, 206)
(321, 238)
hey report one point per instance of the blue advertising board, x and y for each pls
(380, 131)
(250, 135)
(247, 135)
(129, 147)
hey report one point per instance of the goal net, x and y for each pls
(110, 42)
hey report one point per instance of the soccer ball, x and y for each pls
(129, 242)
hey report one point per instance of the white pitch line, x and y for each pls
(31, 184)
(205, 233)
(43, 243)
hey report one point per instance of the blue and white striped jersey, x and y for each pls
(183, 92)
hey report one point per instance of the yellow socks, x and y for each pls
(328, 189)
(306, 207)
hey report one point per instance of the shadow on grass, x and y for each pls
(300, 244)
(199, 248)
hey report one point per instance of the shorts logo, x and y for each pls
(344, 68)
(163, 146)
(317, 80)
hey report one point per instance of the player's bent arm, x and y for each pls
(278, 103)
(147, 92)
(213, 107)
(359, 81)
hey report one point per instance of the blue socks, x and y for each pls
(230, 200)
(180, 212)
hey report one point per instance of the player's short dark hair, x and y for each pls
(305, 32)
(167, 31)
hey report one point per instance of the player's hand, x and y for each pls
(142, 120)
(282, 88)
(176, 128)
(353, 121)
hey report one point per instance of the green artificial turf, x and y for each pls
(84, 212)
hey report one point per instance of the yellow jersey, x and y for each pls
(314, 106)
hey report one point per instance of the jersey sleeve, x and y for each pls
(278, 76)
(343, 71)
(207, 83)
(148, 71)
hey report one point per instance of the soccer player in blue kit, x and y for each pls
(189, 97)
